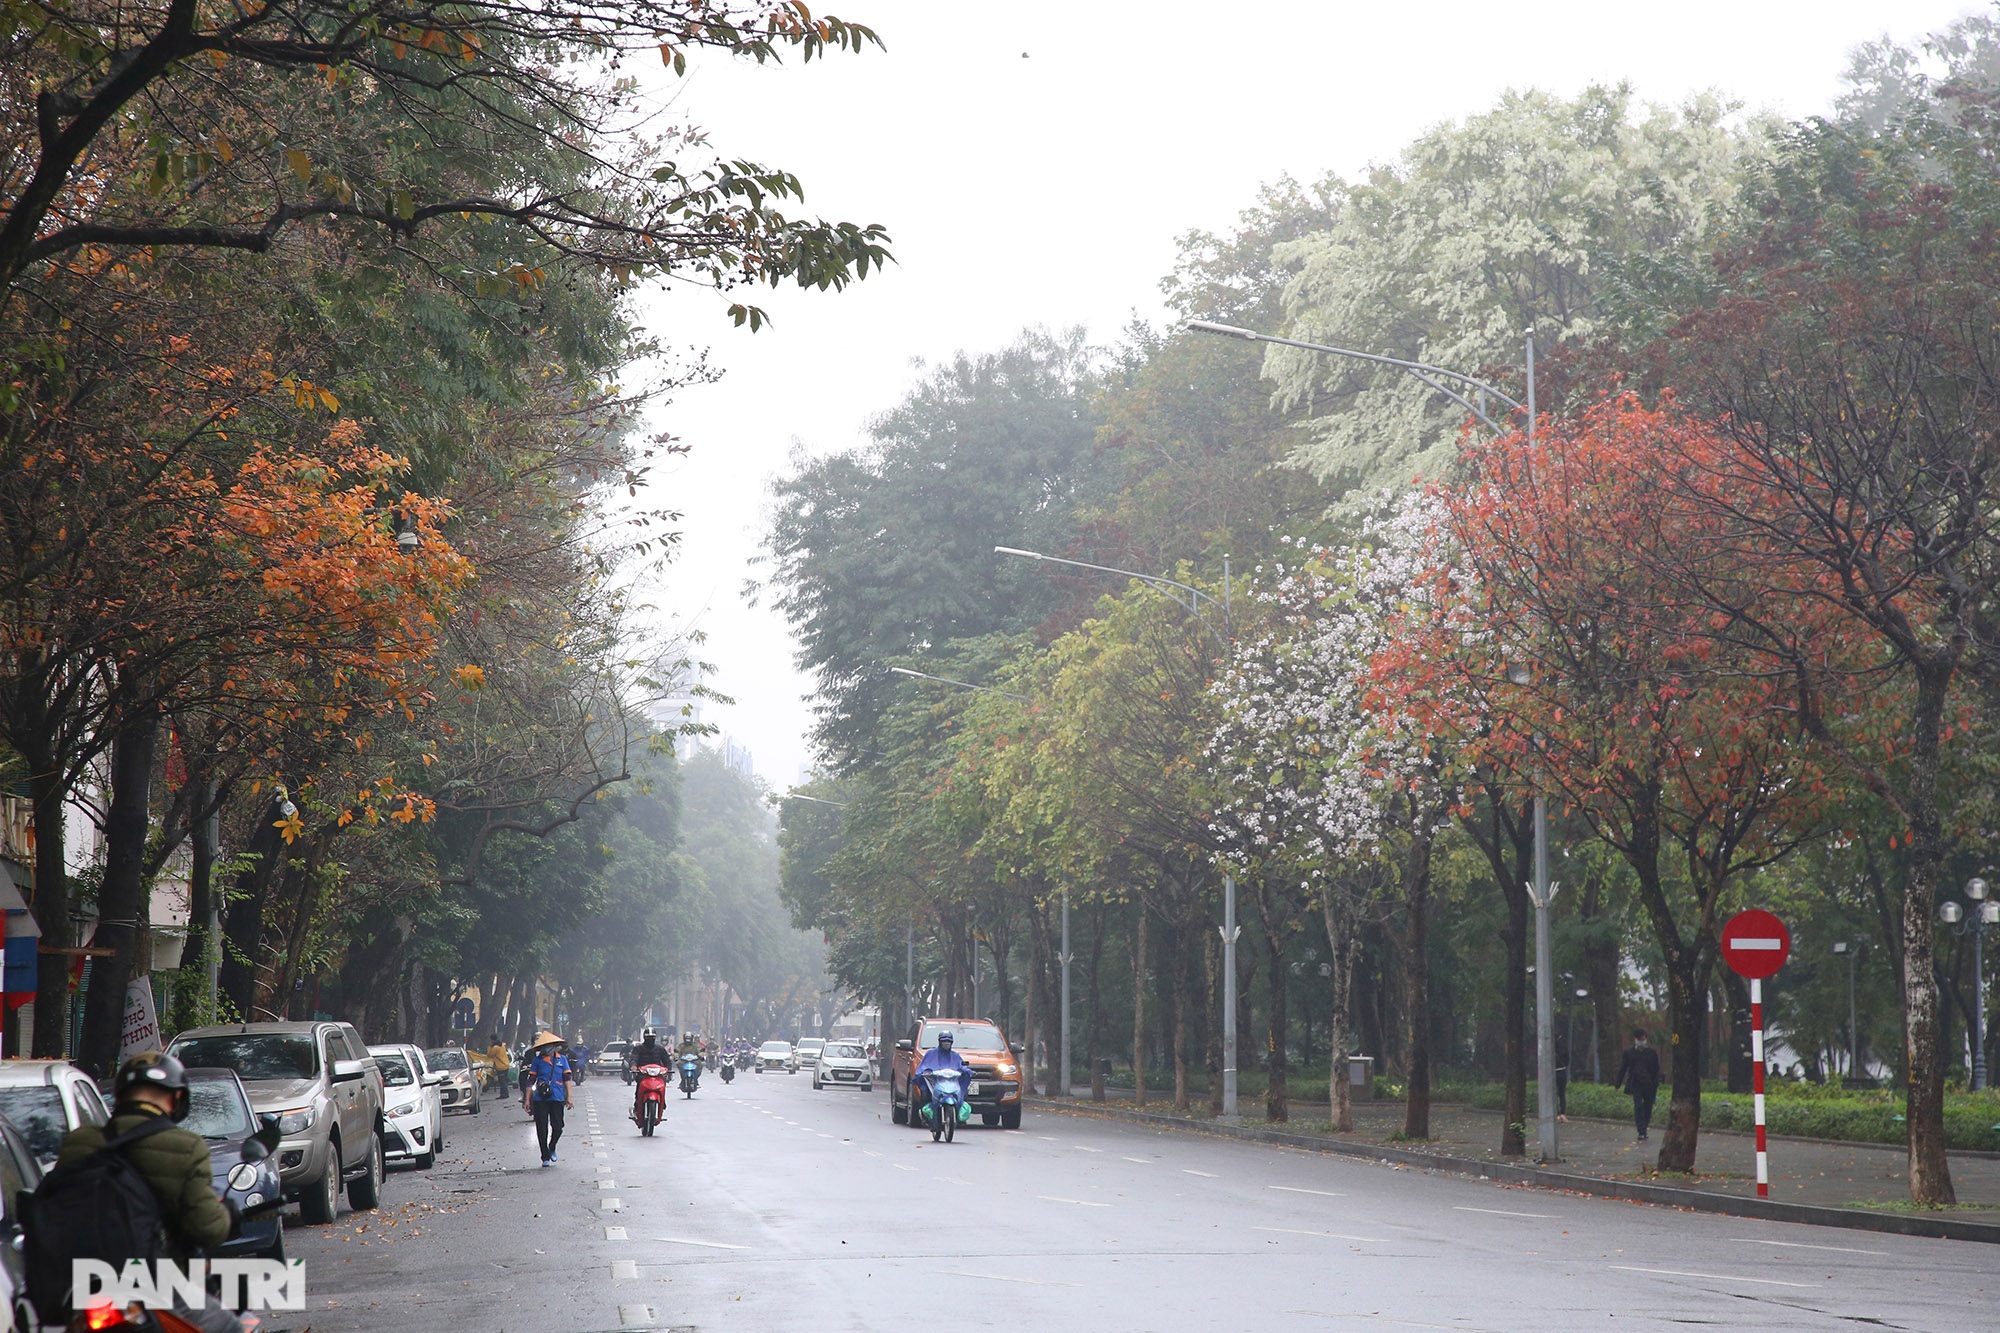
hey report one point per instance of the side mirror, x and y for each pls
(253, 1149)
(1016, 1048)
(265, 1140)
(346, 1071)
(906, 1045)
(431, 1080)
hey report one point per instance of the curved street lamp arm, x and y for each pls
(1424, 371)
(1192, 605)
(962, 684)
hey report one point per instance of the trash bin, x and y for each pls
(1361, 1078)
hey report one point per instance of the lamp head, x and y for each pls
(1975, 889)
(1951, 913)
(1840, 946)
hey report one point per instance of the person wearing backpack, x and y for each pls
(143, 1157)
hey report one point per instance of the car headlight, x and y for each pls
(407, 1108)
(241, 1177)
(1006, 1069)
(295, 1122)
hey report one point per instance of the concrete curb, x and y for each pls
(1672, 1196)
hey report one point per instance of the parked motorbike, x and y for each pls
(690, 1074)
(728, 1073)
(651, 1106)
(945, 1110)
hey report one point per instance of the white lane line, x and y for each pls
(622, 1269)
(1048, 1138)
(611, 1204)
(607, 1184)
(1080, 1148)
(1800, 1245)
(954, 1180)
(635, 1316)
(1330, 1235)
(601, 1156)
(871, 1152)
(1142, 1161)
(1001, 1277)
(705, 1244)
(1205, 1175)
(902, 1167)
(615, 1233)
(1502, 1212)
(1300, 1189)
(1713, 1277)
(1081, 1203)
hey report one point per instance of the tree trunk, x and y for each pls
(1337, 911)
(1183, 1056)
(1416, 901)
(1277, 1062)
(1930, 1173)
(1139, 1004)
(47, 790)
(1687, 1006)
(1514, 1015)
(123, 905)
(243, 928)
(1212, 992)
(1093, 1024)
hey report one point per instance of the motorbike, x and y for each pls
(745, 1058)
(690, 1074)
(728, 1072)
(652, 1103)
(946, 1108)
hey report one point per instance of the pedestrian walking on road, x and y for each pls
(548, 1094)
(1562, 1076)
(1639, 1075)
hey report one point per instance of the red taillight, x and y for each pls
(104, 1316)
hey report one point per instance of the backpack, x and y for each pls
(96, 1207)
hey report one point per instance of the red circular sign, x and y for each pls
(1755, 944)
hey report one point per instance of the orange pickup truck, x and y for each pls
(996, 1081)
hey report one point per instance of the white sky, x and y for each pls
(1034, 161)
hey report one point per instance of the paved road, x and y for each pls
(764, 1205)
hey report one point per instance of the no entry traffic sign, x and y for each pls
(1755, 944)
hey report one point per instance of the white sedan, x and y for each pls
(412, 1111)
(843, 1064)
(776, 1055)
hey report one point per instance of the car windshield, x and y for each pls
(842, 1050)
(774, 1048)
(396, 1072)
(253, 1055)
(446, 1057)
(38, 1114)
(216, 1110)
(964, 1036)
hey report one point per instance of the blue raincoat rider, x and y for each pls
(942, 1056)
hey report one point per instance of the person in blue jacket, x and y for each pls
(941, 1056)
(550, 1075)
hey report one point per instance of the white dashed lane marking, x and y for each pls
(1330, 1235)
(1299, 1189)
(1712, 1277)
(1502, 1212)
(1081, 1203)
(1205, 1175)
(623, 1269)
(704, 1244)
(1801, 1245)
(615, 1233)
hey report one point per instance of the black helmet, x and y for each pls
(154, 1069)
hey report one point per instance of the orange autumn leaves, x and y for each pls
(1608, 614)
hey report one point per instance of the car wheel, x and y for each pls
(899, 1114)
(424, 1161)
(989, 1118)
(1011, 1119)
(868, 1087)
(816, 1084)
(321, 1203)
(475, 1101)
(364, 1192)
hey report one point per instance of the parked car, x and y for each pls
(46, 1099)
(18, 1171)
(414, 1117)
(844, 1064)
(805, 1053)
(219, 1110)
(776, 1055)
(459, 1089)
(610, 1059)
(994, 1089)
(320, 1082)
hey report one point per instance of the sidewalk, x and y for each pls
(1812, 1180)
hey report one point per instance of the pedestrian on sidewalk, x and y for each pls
(1639, 1075)
(548, 1094)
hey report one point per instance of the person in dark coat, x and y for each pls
(1639, 1075)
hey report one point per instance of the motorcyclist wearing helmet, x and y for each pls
(647, 1052)
(941, 1056)
(174, 1162)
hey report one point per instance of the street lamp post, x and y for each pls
(1984, 913)
(1454, 385)
(1853, 952)
(1191, 603)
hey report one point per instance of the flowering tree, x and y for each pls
(1319, 779)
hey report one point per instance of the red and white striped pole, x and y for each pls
(1757, 1084)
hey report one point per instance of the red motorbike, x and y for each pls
(652, 1102)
